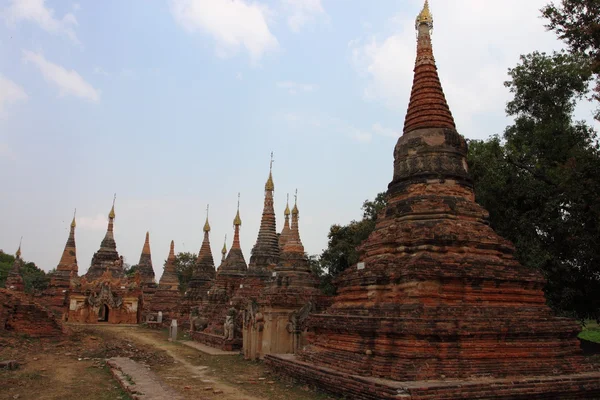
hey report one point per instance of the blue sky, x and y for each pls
(175, 104)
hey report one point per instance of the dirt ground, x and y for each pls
(75, 368)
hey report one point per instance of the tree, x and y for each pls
(34, 278)
(577, 22)
(541, 182)
(184, 265)
(343, 240)
(130, 270)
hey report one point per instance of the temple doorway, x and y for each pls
(103, 313)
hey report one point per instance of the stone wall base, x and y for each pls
(217, 341)
(576, 386)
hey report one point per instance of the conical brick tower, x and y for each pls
(438, 307)
(265, 253)
(286, 231)
(145, 264)
(167, 298)
(106, 258)
(14, 280)
(204, 270)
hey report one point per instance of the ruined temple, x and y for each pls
(202, 278)
(104, 294)
(107, 258)
(14, 280)
(438, 306)
(167, 297)
(265, 253)
(275, 323)
(56, 297)
(209, 325)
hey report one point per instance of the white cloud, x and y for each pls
(10, 93)
(36, 11)
(303, 12)
(232, 23)
(96, 223)
(68, 82)
(474, 42)
(295, 87)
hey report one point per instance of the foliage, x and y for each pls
(130, 270)
(184, 265)
(591, 332)
(541, 181)
(34, 278)
(341, 250)
(577, 23)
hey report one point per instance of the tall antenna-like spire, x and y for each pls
(270, 185)
(295, 209)
(73, 224)
(424, 17)
(18, 253)
(237, 221)
(206, 224)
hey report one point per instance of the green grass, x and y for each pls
(591, 332)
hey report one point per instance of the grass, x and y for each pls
(591, 332)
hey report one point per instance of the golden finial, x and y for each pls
(424, 17)
(270, 185)
(295, 209)
(287, 206)
(237, 221)
(18, 253)
(111, 214)
(224, 250)
(73, 224)
(206, 224)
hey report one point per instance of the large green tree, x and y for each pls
(577, 23)
(184, 264)
(34, 278)
(541, 180)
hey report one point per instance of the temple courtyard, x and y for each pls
(75, 367)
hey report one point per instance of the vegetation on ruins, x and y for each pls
(184, 265)
(577, 23)
(34, 278)
(540, 180)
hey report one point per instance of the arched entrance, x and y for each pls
(103, 313)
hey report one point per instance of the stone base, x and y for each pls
(576, 386)
(217, 341)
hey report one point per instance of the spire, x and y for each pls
(169, 277)
(428, 107)
(286, 231)
(270, 186)
(68, 260)
(18, 253)
(73, 224)
(237, 221)
(295, 215)
(145, 267)
(111, 214)
(206, 228)
(224, 250)
(234, 262)
(265, 253)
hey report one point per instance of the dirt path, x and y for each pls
(200, 376)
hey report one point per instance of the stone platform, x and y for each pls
(573, 386)
(211, 351)
(217, 341)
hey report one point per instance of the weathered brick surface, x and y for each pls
(265, 253)
(107, 257)
(14, 280)
(145, 263)
(437, 294)
(167, 298)
(572, 386)
(19, 314)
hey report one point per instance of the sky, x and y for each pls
(176, 104)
